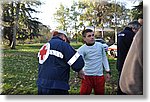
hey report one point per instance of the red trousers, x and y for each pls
(92, 82)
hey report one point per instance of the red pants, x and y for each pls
(92, 82)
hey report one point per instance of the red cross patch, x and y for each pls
(44, 53)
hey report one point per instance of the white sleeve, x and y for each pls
(81, 51)
(105, 60)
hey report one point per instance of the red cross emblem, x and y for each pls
(44, 53)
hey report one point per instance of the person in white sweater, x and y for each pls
(95, 59)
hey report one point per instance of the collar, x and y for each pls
(56, 37)
(128, 28)
(90, 44)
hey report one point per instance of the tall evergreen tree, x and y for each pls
(17, 20)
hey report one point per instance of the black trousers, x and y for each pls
(45, 91)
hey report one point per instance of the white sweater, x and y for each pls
(95, 58)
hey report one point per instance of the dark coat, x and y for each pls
(131, 80)
(123, 44)
(54, 72)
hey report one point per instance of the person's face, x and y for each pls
(89, 38)
(64, 38)
(135, 30)
(140, 20)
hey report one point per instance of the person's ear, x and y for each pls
(84, 39)
(64, 38)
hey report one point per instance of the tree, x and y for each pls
(62, 16)
(18, 20)
(94, 13)
(103, 14)
(137, 11)
(74, 14)
(15, 28)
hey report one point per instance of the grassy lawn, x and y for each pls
(20, 68)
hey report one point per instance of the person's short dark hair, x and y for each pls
(86, 31)
(134, 25)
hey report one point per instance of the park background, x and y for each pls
(22, 40)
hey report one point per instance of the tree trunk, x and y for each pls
(13, 44)
(10, 41)
(15, 27)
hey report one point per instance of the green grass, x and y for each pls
(76, 45)
(20, 68)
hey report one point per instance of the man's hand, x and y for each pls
(107, 77)
(81, 74)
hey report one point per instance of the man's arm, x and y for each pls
(73, 58)
(106, 65)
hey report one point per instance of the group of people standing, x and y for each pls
(89, 61)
